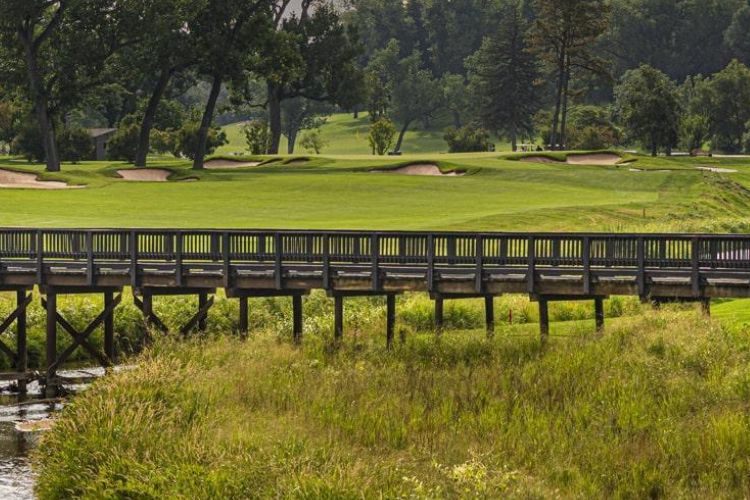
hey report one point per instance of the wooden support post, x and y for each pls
(22, 359)
(148, 310)
(244, 318)
(706, 306)
(51, 390)
(338, 320)
(599, 313)
(109, 327)
(390, 319)
(297, 322)
(489, 315)
(544, 319)
(202, 305)
(439, 315)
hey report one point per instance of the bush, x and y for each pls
(313, 142)
(28, 142)
(591, 127)
(257, 136)
(162, 141)
(382, 133)
(75, 145)
(124, 143)
(186, 140)
(467, 139)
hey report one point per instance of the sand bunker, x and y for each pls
(718, 170)
(540, 159)
(21, 180)
(422, 169)
(594, 159)
(589, 159)
(222, 164)
(145, 175)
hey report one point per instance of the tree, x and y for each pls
(227, 33)
(467, 139)
(167, 48)
(737, 35)
(313, 142)
(456, 97)
(729, 111)
(381, 136)
(44, 41)
(257, 136)
(312, 55)
(504, 75)
(648, 104)
(564, 35)
(299, 114)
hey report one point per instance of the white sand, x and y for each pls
(594, 159)
(718, 170)
(22, 180)
(425, 169)
(145, 175)
(574, 159)
(222, 164)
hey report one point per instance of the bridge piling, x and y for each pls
(439, 314)
(599, 314)
(390, 319)
(19, 356)
(489, 315)
(338, 317)
(544, 319)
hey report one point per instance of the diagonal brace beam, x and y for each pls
(200, 315)
(81, 338)
(20, 309)
(152, 317)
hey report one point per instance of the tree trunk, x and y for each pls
(456, 119)
(558, 99)
(401, 135)
(654, 148)
(514, 140)
(144, 139)
(274, 117)
(291, 141)
(208, 117)
(46, 127)
(564, 117)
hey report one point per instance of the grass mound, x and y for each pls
(656, 407)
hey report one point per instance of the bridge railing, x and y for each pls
(662, 251)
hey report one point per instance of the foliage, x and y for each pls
(467, 139)
(381, 136)
(729, 92)
(648, 104)
(257, 136)
(28, 142)
(188, 138)
(504, 75)
(124, 143)
(75, 145)
(313, 142)
(591, 128)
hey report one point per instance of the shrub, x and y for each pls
(382, 133)
(186, 140)
(257, 136)
(162, 141)
(313, 142)
(75, 145)
(28, 142)
(467, 139)
(124, 143)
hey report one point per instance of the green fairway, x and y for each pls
(342, 192)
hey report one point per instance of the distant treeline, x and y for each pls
(561, 74)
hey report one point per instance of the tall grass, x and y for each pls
(415, 315)
(656, 407)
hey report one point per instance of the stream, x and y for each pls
(16, 475)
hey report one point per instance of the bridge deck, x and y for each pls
(246, 263)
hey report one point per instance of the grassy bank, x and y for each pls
(657, 407)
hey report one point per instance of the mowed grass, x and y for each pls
(654, 408)
(346, 135)
(342, 192)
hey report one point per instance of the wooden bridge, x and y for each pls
(262, 263)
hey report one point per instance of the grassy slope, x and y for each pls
(655, 408)
(346, 135)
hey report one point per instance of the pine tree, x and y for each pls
(564, 35)
(503, 74)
